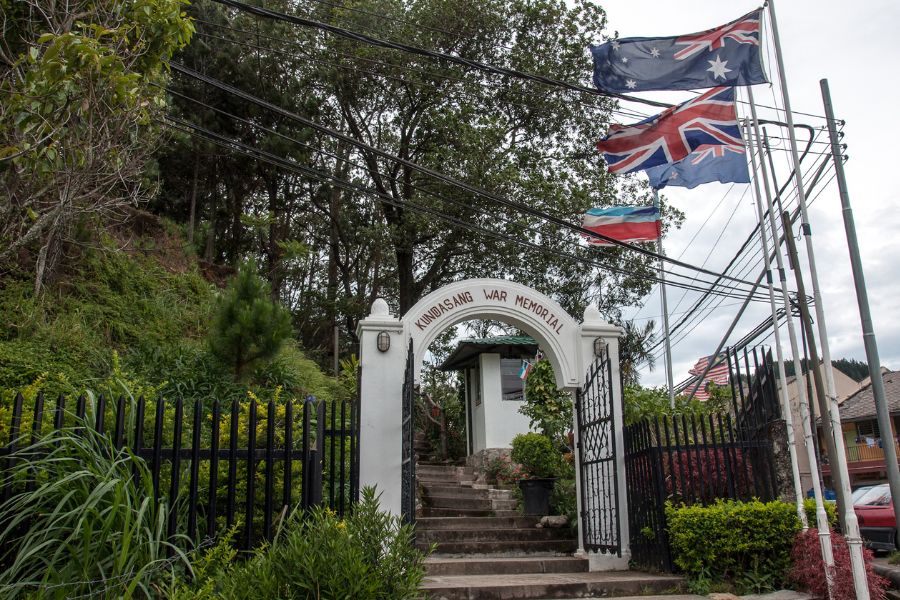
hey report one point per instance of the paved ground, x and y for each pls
(782, 595)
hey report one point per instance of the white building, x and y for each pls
(493, 389)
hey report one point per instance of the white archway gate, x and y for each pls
(385, 434)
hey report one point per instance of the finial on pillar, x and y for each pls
(592, 315)
(380, 308)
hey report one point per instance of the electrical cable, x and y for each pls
(367, 39)
(438, 175)
(289, 165)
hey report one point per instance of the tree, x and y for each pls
(852, 368)
(549, 408)
(634, 350)
(83, 92)
(248, 327)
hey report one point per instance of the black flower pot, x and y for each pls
(536, 495)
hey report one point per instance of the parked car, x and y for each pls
(877, 522)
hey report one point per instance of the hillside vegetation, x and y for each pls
(131, 315)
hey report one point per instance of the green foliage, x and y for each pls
(548, 408)
(368, 556)
(646, 403)
(83, 91)
(537, 455)
(809, 506)
(563, 500)
(90, 527)
(248, 326)
(748, 543)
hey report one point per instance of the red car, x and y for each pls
(875, 513)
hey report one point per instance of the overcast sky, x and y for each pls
(853, 45)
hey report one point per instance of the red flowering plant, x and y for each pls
(808, 571)
(503, 471)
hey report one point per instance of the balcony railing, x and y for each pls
(865, 452)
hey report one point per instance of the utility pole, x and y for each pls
(665, 307)
(839, 461)
(862, 299)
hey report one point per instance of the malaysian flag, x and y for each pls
(707, 120)
(718, 375)
(724, 56)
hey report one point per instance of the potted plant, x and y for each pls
(540, 466)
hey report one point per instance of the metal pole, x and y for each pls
(865, 315)
(779, 354)
(665, 309)
(839, 462)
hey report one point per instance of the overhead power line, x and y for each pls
(473, 64)
(524, 208)
(455, 201)
(287, 164)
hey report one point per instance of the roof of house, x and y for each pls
(861, 404)
(507, 346)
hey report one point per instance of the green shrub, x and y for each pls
(537, 455)
(745, 542)
(248, 326)
(809, 506)
(563, 500)
(368, 556)
(90, 527)
(548, 408)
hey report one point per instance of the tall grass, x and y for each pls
(88, 526)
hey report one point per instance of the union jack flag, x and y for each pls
(743, 31)
(709, 151)
(707, 120)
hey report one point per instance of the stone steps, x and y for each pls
(442, 566)
(496, 535)
(508, 547)
(481, 523)
(546, 585)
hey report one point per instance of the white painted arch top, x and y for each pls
(541, 317)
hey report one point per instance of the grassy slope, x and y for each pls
(129, 321)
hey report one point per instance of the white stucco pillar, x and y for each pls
(381, 388)
(594, 327)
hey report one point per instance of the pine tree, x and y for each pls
(248, 327)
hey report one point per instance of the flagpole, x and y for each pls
(862, 297)
(839, 462)
(665, 307)
(785, 400)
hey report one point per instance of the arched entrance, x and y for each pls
(391, 354)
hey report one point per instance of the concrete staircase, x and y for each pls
(485, 550)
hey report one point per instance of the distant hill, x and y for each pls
(852, 368)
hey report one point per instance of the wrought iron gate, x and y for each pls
(408, 453)
(597, 460)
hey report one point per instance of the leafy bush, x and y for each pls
(503, 471)
(369, 556)
(563, 500)
(537, 455)
(645, 403)
(549, 408)
(809, 506)
(809, 568)
(745, 542)
(90, 526)
(716, 470)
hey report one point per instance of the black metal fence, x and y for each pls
(246, 464)
(697, 459)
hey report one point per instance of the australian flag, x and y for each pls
(725, 56)
(724, 163)
(707, 120)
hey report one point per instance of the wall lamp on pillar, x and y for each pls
(599, 346)
(383, 341)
